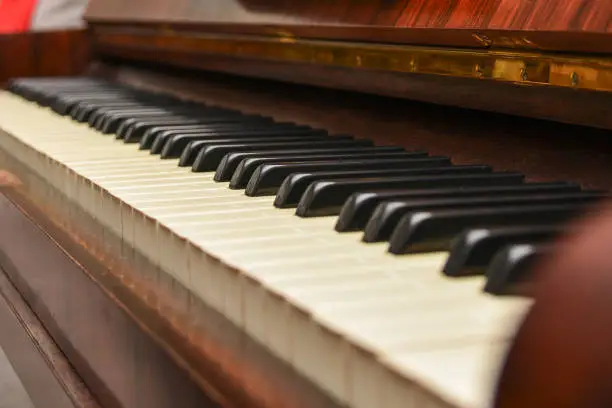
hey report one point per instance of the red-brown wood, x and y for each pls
(557, 25)
(43, 54)
(547, 15)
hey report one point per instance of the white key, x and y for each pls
(464, 374)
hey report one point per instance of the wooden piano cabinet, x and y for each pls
(58, 53)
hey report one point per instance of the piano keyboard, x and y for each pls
(389, 278)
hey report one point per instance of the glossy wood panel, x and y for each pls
(554, 15)
(556, 25)
(43, 54)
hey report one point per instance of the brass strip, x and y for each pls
(522, 68)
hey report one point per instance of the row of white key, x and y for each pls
(306, 292)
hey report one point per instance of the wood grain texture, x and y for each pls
(547, 15)
(43, 54)
(554, 25)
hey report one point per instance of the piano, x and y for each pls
(243, 203)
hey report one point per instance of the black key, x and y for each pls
(267, 178)
(83, 108)
(243, 171)
(358, 208)
(327, 197)
(415, 182)
(195, 148)
(54, 98)
(511, 270)
(324, 198)
(121, 97)
(91, 94)
(388, 214)
(208, 158)
(82, 112)
(45, 93)
(133, 132)
(150, 136)
(473, 250)
(100, 114)
(204, 142)
(109, 122)
(19, 85)
(174, 146)
(132, 129)
(232, 162)
(136, 102)
(63, 105)
(156, 137)
(431, 231)
(294, 186)
(83, 94)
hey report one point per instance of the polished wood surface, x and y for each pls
(561, 356)
(586, 15)
(494, 14)
(60, 53)
(541, 24)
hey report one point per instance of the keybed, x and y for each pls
(351, 314)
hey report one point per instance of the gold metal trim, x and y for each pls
(523, 68)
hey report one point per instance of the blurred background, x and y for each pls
(18, 16)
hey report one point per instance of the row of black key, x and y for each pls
(492, 223)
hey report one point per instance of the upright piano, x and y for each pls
(285, 203)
